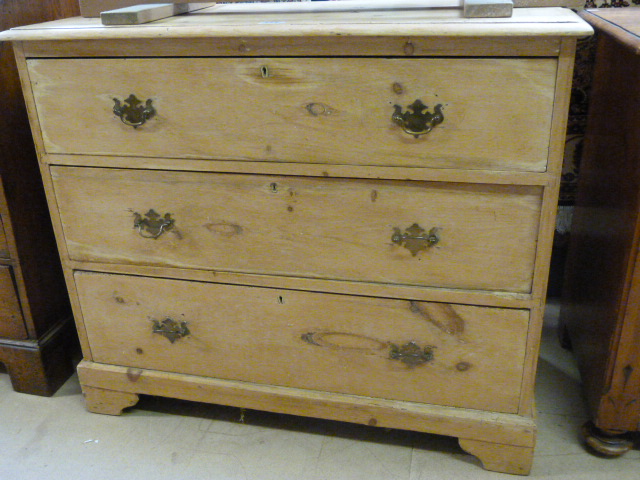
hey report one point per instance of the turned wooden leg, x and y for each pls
(605, 443)
(500, 458)
(108, 402)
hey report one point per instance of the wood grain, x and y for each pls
(600, 308)
(32, 295)
(107, 402)
(291, 144)
(513, 459)
(25, 215)
(622, 26)
(549, 210)
(370, 289)
(242, 46)
(494, 427)
(449, 175)
(535, 23)
(272, 109)
(11, 319)
(318, 228)
(42, 366)
(323, 342)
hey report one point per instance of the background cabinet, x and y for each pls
(36, 332)
(602, 291)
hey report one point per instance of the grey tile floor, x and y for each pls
(55, 438)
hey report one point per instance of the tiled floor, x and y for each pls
(55, 439)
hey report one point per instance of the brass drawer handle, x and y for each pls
(417, 122)
(152, 225)
(411, 354)
(415, 238)
(170, 329)
(133, 113)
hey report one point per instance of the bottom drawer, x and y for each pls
(437, 353)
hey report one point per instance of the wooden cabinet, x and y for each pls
(37, 337)
(342, 215)
(600, 311)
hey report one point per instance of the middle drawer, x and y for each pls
(415, 233)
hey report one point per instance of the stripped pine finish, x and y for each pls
(277, 337)
(305, 227)
(262, 221)
(279, 110)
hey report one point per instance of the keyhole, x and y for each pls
(264, 70)
(280, 300)
(274, 187)
(409, 48)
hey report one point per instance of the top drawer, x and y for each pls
(497, 112)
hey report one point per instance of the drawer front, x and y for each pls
(497, 112)
(11, 319)
(474, 236)
(456, 355)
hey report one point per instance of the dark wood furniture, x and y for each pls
(602, 296)
(37, 338)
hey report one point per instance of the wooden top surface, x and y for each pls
(226, 21)
(623, 24)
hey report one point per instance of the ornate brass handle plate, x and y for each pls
(152, 224)
(133, 112)
(418, 121)
(411, 354)
(170, 329)
(415, 238)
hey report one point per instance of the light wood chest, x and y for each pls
(342, 215)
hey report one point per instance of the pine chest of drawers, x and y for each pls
(342, 215)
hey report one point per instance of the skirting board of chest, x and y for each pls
(344, 215)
